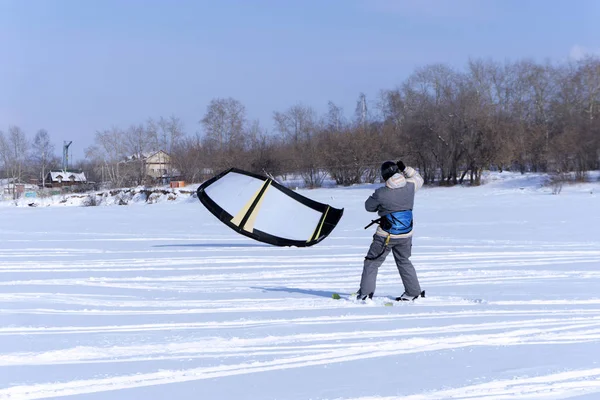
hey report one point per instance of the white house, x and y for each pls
(158, 165)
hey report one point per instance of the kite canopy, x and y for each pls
(260, 208)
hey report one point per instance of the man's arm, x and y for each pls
(413, 176)
(372, 204)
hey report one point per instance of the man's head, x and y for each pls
(388, 169)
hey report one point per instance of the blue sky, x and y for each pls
(77, 66)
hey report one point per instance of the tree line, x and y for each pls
(449, 123)
(22, 160)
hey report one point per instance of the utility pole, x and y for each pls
(66, 155)
(361, 110)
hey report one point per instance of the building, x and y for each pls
(12, 189)
(158, 165)
(65, 178)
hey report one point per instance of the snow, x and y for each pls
(155, 301)
(124, 196)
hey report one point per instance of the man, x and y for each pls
(394, 203)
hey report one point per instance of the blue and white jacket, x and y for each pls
(395, 201)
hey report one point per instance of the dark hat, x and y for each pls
(388, 169)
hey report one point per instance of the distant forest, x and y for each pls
(450, 124)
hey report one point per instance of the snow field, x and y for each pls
(163, 301)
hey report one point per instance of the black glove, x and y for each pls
(401, 166)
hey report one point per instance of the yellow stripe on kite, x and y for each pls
(318, 230)
(240, 215)
(249, 225)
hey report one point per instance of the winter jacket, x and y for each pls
(398, 194)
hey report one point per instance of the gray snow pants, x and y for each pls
(401, 248)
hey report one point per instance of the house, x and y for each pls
(65, 178)
(158, 165)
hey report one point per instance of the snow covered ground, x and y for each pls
(162, 301)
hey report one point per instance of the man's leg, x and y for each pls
(401, 249)
(375, 257)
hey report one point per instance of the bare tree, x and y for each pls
(224, 131)
(13, 149)
(19, 146)
(297, 124)
(264, 151)
(165, 132)
(110, 153)
(224, 123)
(299, 127)
(4, 155)
(334, 120)
(350, 151)
(139, 142)
(42, 153)
(190, 159)
(176, 134)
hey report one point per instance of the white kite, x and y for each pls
(260, 208)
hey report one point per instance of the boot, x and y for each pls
(406, 297)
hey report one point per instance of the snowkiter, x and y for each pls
(394, 204)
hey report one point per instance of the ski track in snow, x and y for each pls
(190, 308)
(554, 386)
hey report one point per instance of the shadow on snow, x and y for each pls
(213, 245)
(318, 293)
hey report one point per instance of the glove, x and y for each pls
(401, 166)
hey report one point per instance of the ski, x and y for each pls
(389, 301)
(385, 301)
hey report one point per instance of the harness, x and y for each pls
(396, 223)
